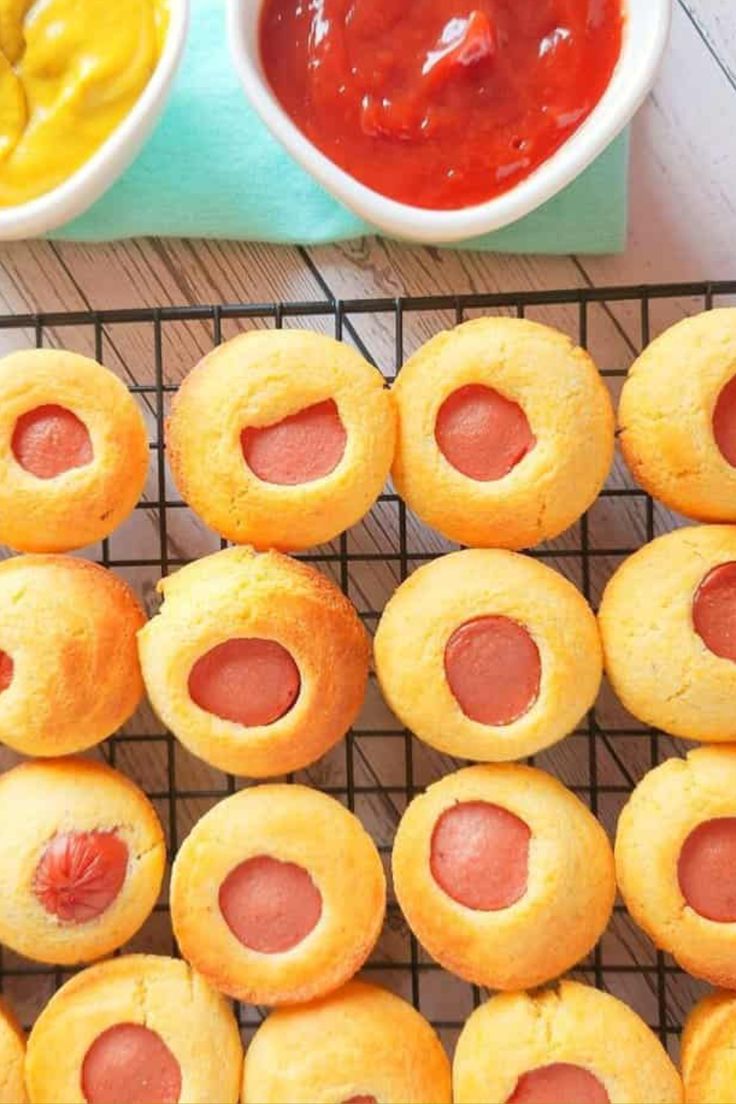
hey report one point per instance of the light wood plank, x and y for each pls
(714, 19)
(683, 208)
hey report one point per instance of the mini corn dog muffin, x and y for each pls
(676, 861)
(505, 433)
(12, 1058)
(667, 625)
(709, 1051)
(504, 876)
(677, 417)
(281, 438)
(568, 1045)
(73, 451)
(277, 895)
(256, 662)
(69, 670)
(486, 654)
(82, 857)
(139, 1029)
(361, 1043)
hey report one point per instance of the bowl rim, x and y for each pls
(608, 118)
(75, 194)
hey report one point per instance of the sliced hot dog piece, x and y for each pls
(270, 906)
(707, 869)
(559, 1083)
(130, 1063)
(483, 434)
(80, 874)
(248, 681)
(305, 446)
(480, 855)
(714, 611)
(493, 669)
(50, 440)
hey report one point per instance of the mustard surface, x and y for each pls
(70, 71)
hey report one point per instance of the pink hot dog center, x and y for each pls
(50, 440)
(483, 434)
(480, 856)
(706, 870)
(270, 906)
(132, 1063)
(6, 670)
(249, 681)
(304, 447)
(714, 611)
(80, 875)
(559, 1083)
(493, 669)
(724, 422)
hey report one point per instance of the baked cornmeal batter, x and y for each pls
(70, 71)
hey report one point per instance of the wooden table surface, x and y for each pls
(683, 228)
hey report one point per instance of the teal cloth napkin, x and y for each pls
(211, 170)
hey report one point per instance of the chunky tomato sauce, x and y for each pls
(440, 103)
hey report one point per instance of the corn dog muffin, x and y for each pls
(69, 670)
(669, 636)
(486, 654)
(677, 417)
(709, 1051)
(567, 1045)
(281, 438)
(504, 876)
(12, 1058)
(257, 662)
(361, 1043)
(277, 895)
(73, 451)
(505, 433)
(676, 861)
(82, 857)
(139, 1029)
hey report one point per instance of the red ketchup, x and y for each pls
(440, 103)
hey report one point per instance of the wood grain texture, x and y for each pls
(683, 224)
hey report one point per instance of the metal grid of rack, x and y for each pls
(600, 768)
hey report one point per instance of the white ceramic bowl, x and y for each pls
(645, 36)
(87, 184)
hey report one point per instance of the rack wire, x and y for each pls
(380, 766)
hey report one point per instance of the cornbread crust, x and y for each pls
(69, 627)
(442, 595)
(667, 805)
(570, 892)
(12, 1058)
(568, 408)
(514, 1033)
(360, 1041)
(657, 663)
(84, 504)
(44, 798)
(241, 593)
(708, 1053)
(666, 412)
(292, 824)
(258, 379)
(162, 994)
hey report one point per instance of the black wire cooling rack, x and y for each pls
(600, 762)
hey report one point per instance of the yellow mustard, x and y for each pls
(70, 71)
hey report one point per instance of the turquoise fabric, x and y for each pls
(211, 170)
